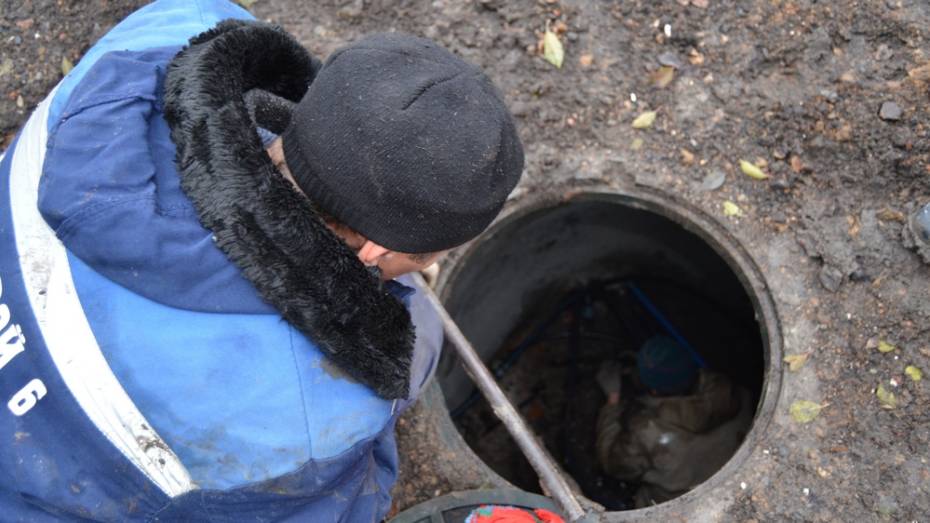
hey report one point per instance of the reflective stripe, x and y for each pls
(67, 334)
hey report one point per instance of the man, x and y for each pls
(191, 333)
(676, 436)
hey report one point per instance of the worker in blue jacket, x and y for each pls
(202, 310)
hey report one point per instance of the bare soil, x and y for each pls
(795, 85)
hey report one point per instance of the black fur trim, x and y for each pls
(259, 221)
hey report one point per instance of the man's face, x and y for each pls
(394, 264)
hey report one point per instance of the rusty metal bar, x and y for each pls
(549, 475)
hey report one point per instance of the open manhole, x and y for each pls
(551, 295)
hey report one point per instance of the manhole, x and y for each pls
(555, 291)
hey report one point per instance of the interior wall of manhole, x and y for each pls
(587, 253)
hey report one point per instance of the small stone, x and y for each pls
(782, 183)
(890, 112)
(20, 102)
(714, 180)
(25, 24)
(831, 95)
(830, 278)
(520, 109)
(920, 223)
(670, 59)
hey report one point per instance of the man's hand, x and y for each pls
(609, 380)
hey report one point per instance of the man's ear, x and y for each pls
(371, 253)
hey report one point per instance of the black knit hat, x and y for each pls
(405, 143)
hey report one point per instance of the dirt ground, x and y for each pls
(796, 86)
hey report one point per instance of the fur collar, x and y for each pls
(259, 221)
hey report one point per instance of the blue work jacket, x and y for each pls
(142, 378)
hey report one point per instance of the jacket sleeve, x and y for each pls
(110, 192)
(619, 454)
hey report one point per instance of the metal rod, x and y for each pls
(549, 475)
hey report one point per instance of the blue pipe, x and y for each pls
(667, 325)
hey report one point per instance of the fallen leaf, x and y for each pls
(804, 411)
(891, 215)
(637, 144)
(644, 120)
(66, 66)
(885, 397)
(884, 346)
(695, 57)
(731, 209)
(246, 3)
(663, 76)
(552, 49)
(752, 171)
(854, 226)
(914, 373)
(795, 361)
(920, 74)
(796, 164)
(687, 157)
(586, 60)
(6, 67)
(700, 3)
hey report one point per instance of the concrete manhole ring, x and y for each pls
(707, 230)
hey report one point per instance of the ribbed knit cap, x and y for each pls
(404, 142)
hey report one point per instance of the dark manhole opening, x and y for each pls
(552, 296)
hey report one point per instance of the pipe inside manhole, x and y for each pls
(552, 295)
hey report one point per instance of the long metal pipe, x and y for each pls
(549, 475)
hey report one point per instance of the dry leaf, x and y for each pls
(884, 346)
(752, 171)
(637, 144)
(914, 373)
(920, 74)
(66, 66)
(796, 164)
(795, 361)
(695, 57)
(644, 120)
(731, 209)
(663, 76)
(885, 397)
(246, 3)
(552, 49)
(586, 60)
(891, 215)
(804, 411)
(687, 157)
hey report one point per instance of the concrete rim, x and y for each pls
(728, 247)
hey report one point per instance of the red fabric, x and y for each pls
(489, 514)
(548, 517)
